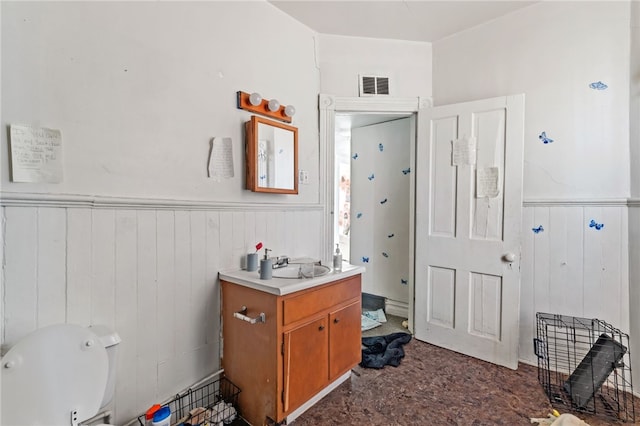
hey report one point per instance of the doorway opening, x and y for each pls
(331, 108)
(372, 196)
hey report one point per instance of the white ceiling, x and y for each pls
(414, 20)
(417, 20)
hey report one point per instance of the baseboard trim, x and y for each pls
(396, 308)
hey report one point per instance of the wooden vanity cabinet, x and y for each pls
(345, 333)
(310, 338)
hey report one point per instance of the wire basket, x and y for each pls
(214, 403)
(584, 365)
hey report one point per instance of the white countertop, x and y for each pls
(282, 286)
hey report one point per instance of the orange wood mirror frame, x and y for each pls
(271, 150)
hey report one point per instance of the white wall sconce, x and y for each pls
(271, 108)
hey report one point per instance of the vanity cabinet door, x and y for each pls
(344, 339)
(306, 353)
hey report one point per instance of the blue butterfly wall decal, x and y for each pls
(358, 215)
(594, 224)
(598, 85)
(537, 230)
(406, 171)
(381, 147)
(391, 235)
(371, 176)
(403, 281)
(383, 201)
(263, 177)
(543, 137)
(365, 259)
(281, 151)
(355, 156)
(385, 254)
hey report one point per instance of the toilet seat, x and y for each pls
(51, 373)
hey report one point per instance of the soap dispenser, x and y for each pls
(266, 266)
(337, 260)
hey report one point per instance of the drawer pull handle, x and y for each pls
(337, 320)
(321, 328)
(242, 315)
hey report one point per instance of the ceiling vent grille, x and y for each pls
(374, 85)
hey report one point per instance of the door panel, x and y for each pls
(466, 294)
(442, 289)
(484, 314)
(443, 205)
(486, 213)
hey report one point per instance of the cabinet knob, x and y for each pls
(336, 320)
(321, 328)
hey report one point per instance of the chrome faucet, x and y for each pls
(280, 262)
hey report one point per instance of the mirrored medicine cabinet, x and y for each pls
(272, 156)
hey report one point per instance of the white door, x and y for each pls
(467, 277)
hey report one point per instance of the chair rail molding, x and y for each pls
(22, 199)
(568, 202)
(633, 202)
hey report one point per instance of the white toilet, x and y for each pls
(58, 375)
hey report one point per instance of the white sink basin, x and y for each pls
(299, 271)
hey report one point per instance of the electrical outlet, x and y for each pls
(303, 177)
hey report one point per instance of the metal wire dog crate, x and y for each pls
(584, 365)
(212, 403)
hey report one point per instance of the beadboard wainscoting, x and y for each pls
(571, 267)
(147, 269)
(634, 281)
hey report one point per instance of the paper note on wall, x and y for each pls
(487, 182)
(221, 159)
(464, 151)
(36, 154)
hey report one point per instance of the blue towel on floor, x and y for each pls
(383, 350)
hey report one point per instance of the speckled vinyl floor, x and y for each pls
(434, 386)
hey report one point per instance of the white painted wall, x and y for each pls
(380, 207)
(552, 51)
(634, 210)
(634, 97)
(138, 90)
(342, 59)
